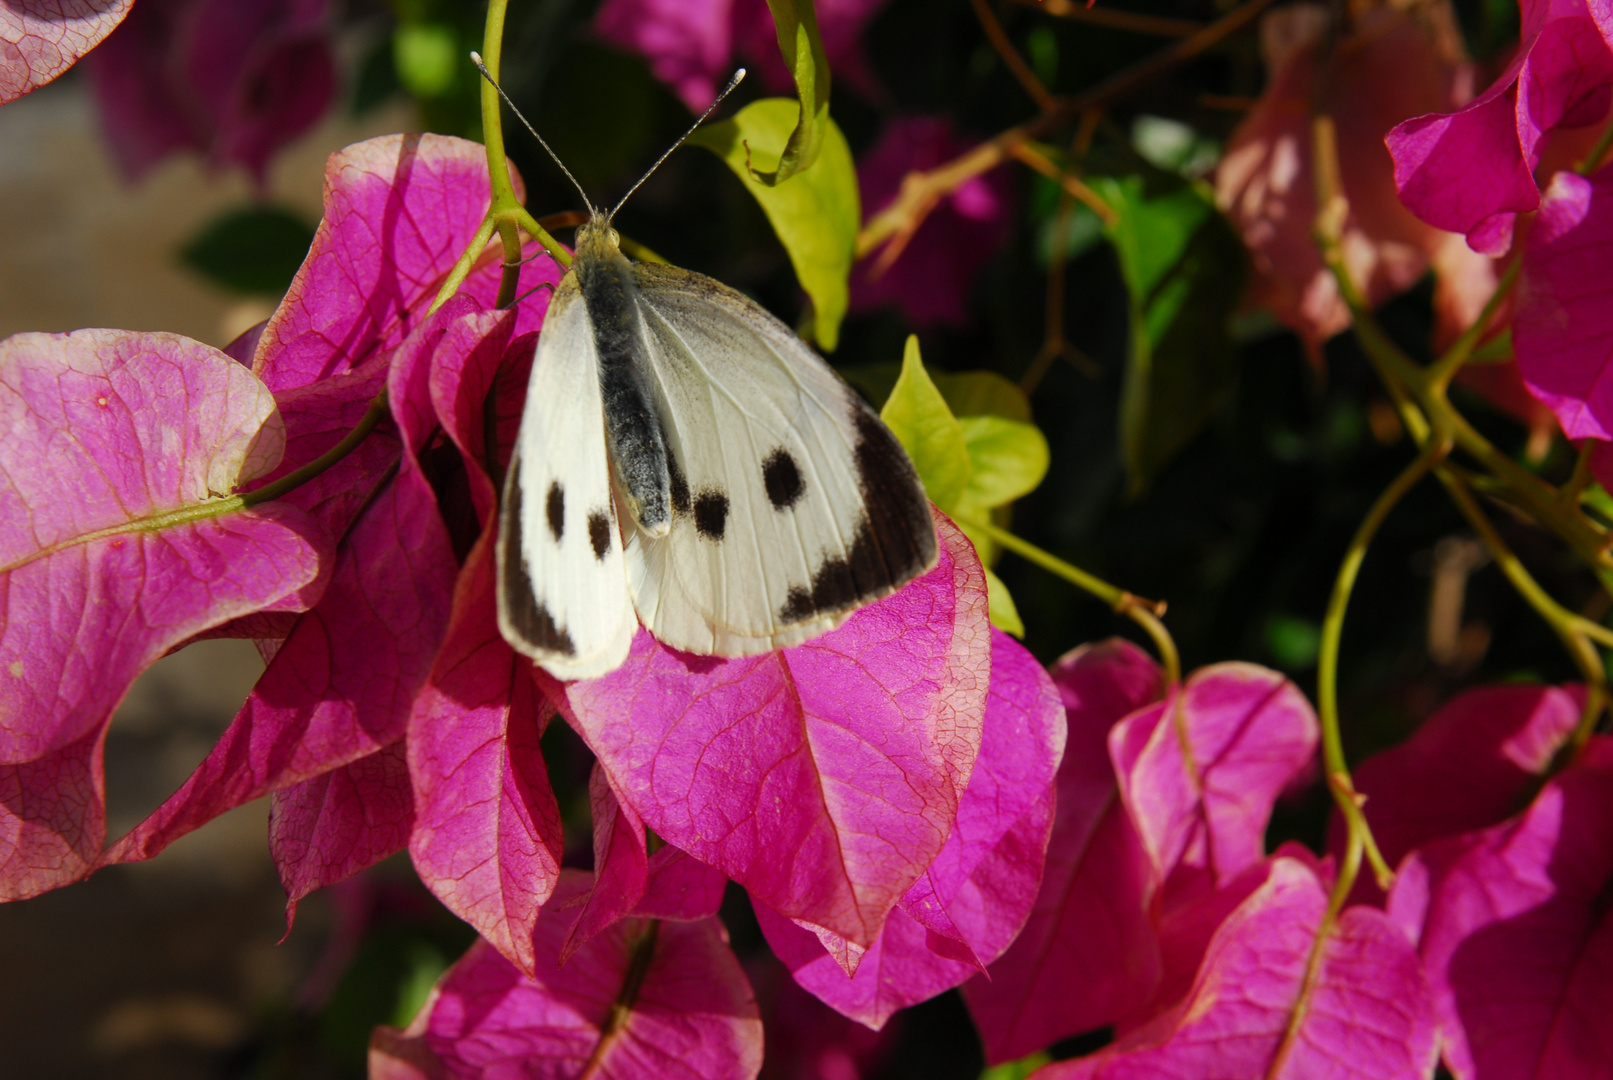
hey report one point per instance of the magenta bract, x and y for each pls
(1469, 766)
(972, 900)
(1366, 1015)
(1472, 171)
(1561, 330)
(1515, 932)
(693, 1016)
(331, 826)
(931, 280)
(233, 79)
(342, 685)
(1087, 955)
(40, 39)
(1247, 732)
(824, 778)
(398, 211)
(101, 432)
(690, 44)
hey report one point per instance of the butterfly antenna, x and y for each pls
(729, 89)
(476, 58)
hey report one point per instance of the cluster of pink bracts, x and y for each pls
(911, 802)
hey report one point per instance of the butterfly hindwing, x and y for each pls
(793, 505)
(562, 584)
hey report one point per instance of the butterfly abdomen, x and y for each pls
(638, 445)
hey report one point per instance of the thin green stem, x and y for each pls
(462, 268)
(1593, 160)
(1327, 664)
(1145, 613)
(1445, 368)
(377, 412)
(555, 248)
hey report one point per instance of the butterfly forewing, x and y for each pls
(793, 505)
(562, 582)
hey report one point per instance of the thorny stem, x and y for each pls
(921, 191)
(1145, 613)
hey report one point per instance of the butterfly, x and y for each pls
(687, 462)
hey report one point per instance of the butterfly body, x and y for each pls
(687, 462)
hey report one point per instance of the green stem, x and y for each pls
(1144, 613)
(1444, 369)
(1327, 664)
(1593, 160)
(377, 411)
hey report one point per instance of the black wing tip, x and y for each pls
(894, 541)
(524, 621)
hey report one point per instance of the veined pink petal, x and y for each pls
(101, 429)
(1366, 1016)
(692, 1015)
(1472, 171)
(621, 863)
(825, 777)
(1515, 933)
(399, 209)
(1561, 332)
(971, 902)
(1087, 956)
(1392, 66)
(488, 837)
(342, 685)
(40, 39)
(1468, 767)
(1199, 772)
(331, 826)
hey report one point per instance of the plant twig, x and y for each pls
(1016, 63)
(1145, 613)
(921, 191)
(1116, 19)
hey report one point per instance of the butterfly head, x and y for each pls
(596, 239)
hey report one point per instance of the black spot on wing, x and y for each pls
(711, 513)
(894, 540)
(678, 483)
(599, 533)
(782, 479)
(523, 611)
(556, 511)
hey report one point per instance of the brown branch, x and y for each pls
(1026, 153)
(1016, 63)
(1116, 20)
(921, 191)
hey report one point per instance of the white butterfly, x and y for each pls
(687, 462)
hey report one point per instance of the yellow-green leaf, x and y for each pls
(918, 416)
(797, 24)
(815, 215)
(1007, 458)
(984, 393)
(1001, 611)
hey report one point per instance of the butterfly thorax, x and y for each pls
(633, 429)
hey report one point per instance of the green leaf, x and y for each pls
(1184, 270)
(427, 56)
(1007, 459)
(918, 416)
(984, 393)
(1002, 612)
(1018, 1070)
(815, 215)
(253, 251)
(797, 24)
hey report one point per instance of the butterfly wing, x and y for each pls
(793, 504)
(562, 583)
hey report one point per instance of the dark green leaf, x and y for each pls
(253, 251)
(1184, 270)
